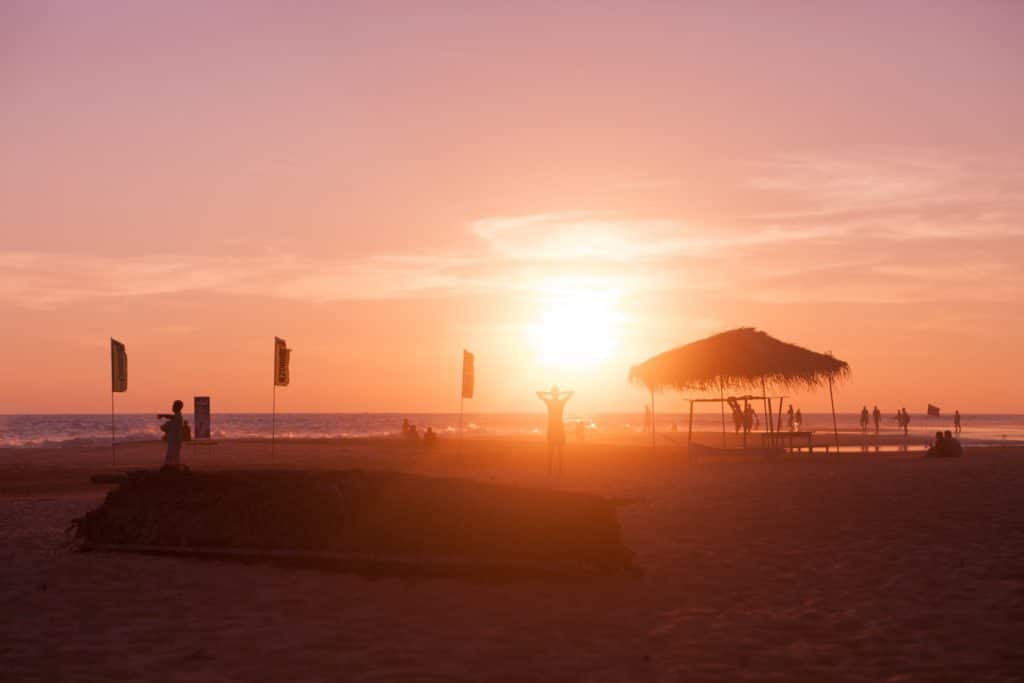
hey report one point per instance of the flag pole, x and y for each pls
(835, 427)
(113, 453)
(462, 402)
(273, 420)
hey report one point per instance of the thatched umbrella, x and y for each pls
(744, 357)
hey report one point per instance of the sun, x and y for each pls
(576, 325)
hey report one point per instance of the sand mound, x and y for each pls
(359, 519)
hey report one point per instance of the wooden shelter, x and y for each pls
(741, 358)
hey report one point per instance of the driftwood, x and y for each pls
(359, 520)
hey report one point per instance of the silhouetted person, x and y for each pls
(799, 419)
(172, 428)
(790, 420)
(864, 418)
(906, 421)
(737, 413)
(411, 434)
(877, 415)
(405, 426)
(953, 447)
(555, 401)
(749, 416)
(429, 438)
(956, 422)
(936, 449)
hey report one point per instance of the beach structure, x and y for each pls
(744, 358)
(373, 522)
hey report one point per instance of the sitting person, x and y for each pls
(429, 438)
(955, 450)
(945, 446)
(411, 434)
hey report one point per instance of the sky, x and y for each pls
(564, 189)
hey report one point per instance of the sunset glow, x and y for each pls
(576, 326)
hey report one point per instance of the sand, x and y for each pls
(851, 567)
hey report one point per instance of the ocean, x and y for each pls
(47, 431)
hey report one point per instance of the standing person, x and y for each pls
(906, 422)
(172, 428)
(877, 414)
(749, 416)
(555, 401)
(864, 417)
(798, 419)
(790, 420)
(956, 421)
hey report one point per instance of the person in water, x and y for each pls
(555, 401)
(173, 426)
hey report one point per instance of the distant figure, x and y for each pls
(799, 419)
(956, 422)
(945, 446)
(790, 420)
(172, 428)
(647, 418)
(555, 401)
(737, 413)
(749, 417)
(579, 431)
(411, 434)
(864, 418)
(906, 421)
(429, 438)
(877, 415)
(405, 426)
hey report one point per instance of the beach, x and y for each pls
(856, 566)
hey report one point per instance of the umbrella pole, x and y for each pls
(689, 435)
(652, 421)
(767, 403)
(835, 427)
(721, 394)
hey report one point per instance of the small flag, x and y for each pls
(933, 411)
(118, 366)
(282, 358)
(468, 374)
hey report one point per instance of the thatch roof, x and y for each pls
(737, 358)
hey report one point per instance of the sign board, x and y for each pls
(201, 415)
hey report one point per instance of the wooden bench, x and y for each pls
(788, 437)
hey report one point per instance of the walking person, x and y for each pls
(877, 415)
(864, 418)
(555, 400)
(173, 426)
(906, 422)
(956, 421)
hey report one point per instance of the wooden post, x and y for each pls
(768, 428)
(778, 421)
(689, 435)
(653, 429)
(835, 426)
(721, 395)
(273, 420)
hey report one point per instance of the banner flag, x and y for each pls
(933, 411)
(282, 358)
(468, 374)
(118, 366)
(201, 417)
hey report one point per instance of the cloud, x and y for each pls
(861, 216)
